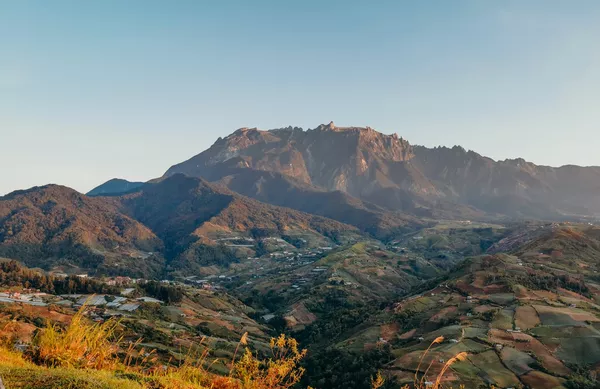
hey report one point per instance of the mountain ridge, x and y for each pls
(388, 171)
(173, 224)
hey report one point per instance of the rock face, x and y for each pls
(387, 171)
(349, 159)
(362, 163)
(512, 187)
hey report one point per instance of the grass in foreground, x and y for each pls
(80, 345)
(85, 356)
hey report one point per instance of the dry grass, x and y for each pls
(36, 377)
(19, 373)
(280, 371)
(81, 345)
(423, 382)
(84, 355)
(377, 381)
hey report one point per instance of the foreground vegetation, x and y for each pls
(86, 355)
(90, 355)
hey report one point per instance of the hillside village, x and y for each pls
(112, 303)
(281, 258)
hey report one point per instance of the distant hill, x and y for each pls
(387, 171)
(56, 227)
(114, 187)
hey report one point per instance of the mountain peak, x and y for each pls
(44, 189)
(366, 131)
(361, 155)
(388, 171)
(114, 186)
(332, 127)
(244, 130)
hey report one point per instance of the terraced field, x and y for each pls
(522, 325)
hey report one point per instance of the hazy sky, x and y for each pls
(91, 90)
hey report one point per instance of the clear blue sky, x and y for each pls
(91, 90)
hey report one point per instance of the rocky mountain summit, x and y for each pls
(387, 171)
(349, 159)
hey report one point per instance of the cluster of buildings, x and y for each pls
(25, 297)
(122, 303)
(210, 282)
(235, 241)
(103, 307)
(287, 258)
(301, 258)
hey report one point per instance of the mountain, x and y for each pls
(114, 187)
(55, 227)
(359, 161)
(512, 187)
(360, 155)
(296, 169)
(176, 224)
(192, 217)
(279, 189)
(386, 171)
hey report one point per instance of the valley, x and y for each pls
(514, 312)
(382, 257)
